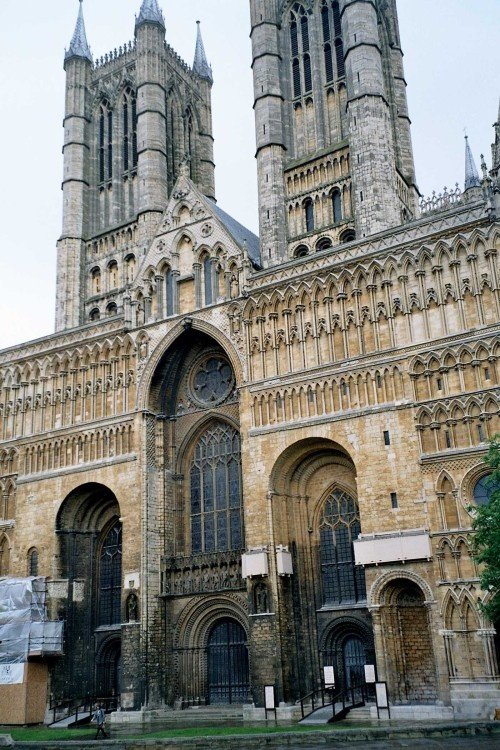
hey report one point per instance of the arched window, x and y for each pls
(110, 576)
(94, 315)
(348, 236)
(96, 280)
(208, 280)
(484, 489)
(324, 243)
(307, 74)
(339, 44)
(169, 292)
(337, 206)
(4, 556)
(111, 310)
(297, 89)
(189, 140)
(113, 275)
(33, 562)
(309, 214)
(129, 126)
(216, 500)
(343, 581)
(130, 268)
(105, 142)
(301, 251)
(327, 47)
(300, 51)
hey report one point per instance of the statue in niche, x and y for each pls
(143, 349)
(132, 608)
(261, 604)
(235, 286)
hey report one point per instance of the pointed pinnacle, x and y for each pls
(150, 12)
(471, 174)
(200, 65)
(79, 46)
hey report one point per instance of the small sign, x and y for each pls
(370, 677)
(11, 674)
(329, 676)
(269, 693)
(381, 693)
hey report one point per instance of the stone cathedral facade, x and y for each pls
(316, 401)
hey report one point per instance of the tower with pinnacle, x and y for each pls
(334, 148)
(132, 118)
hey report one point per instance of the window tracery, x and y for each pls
(110, 573)
(216, 498)
(342, 580)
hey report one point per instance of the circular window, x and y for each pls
(484, 489)
(213, 381)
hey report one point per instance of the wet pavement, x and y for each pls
(442, 743)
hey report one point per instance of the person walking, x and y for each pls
(99, 718)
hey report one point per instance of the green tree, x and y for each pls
(487, 537)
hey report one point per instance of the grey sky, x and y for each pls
(452, 59)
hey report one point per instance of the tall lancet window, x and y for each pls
(300, 51)
(339, 44)
(105, 142)
(327, 47)
(129, 127)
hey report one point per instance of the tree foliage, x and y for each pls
(487, 537)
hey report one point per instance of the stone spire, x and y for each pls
(150, 13)
(79, 46)
(200, 65)
(495, 149)
(471, 174)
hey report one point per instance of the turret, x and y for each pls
(472, 179)
(270, 136)
(376, 202)
(75, 186)
(203, 70)
(151, 117)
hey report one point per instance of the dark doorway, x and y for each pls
(108, 670)
(228, 680)
(354, 662)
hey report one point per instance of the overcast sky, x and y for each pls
(452, 58)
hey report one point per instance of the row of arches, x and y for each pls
(458, 423)
(59, 391)
(377, 308)
(330, 396)
(327, 208)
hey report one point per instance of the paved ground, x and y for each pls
(449, 743)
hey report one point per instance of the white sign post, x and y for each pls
(382, 698)
(270, 700)
(370, 677)
(329, 677)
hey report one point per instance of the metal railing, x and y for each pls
(80, 709)
(341, 701)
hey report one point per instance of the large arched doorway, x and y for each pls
(228, 677)
(347, 647)
(407, 647)
(316, 510)
(89, 531)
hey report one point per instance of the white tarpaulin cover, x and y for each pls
(24, 628)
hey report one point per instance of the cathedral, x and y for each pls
(241, 460)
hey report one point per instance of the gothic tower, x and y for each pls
(132, 118)
(334, 150)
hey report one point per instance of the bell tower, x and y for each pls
(334, 153)
(132, 118)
